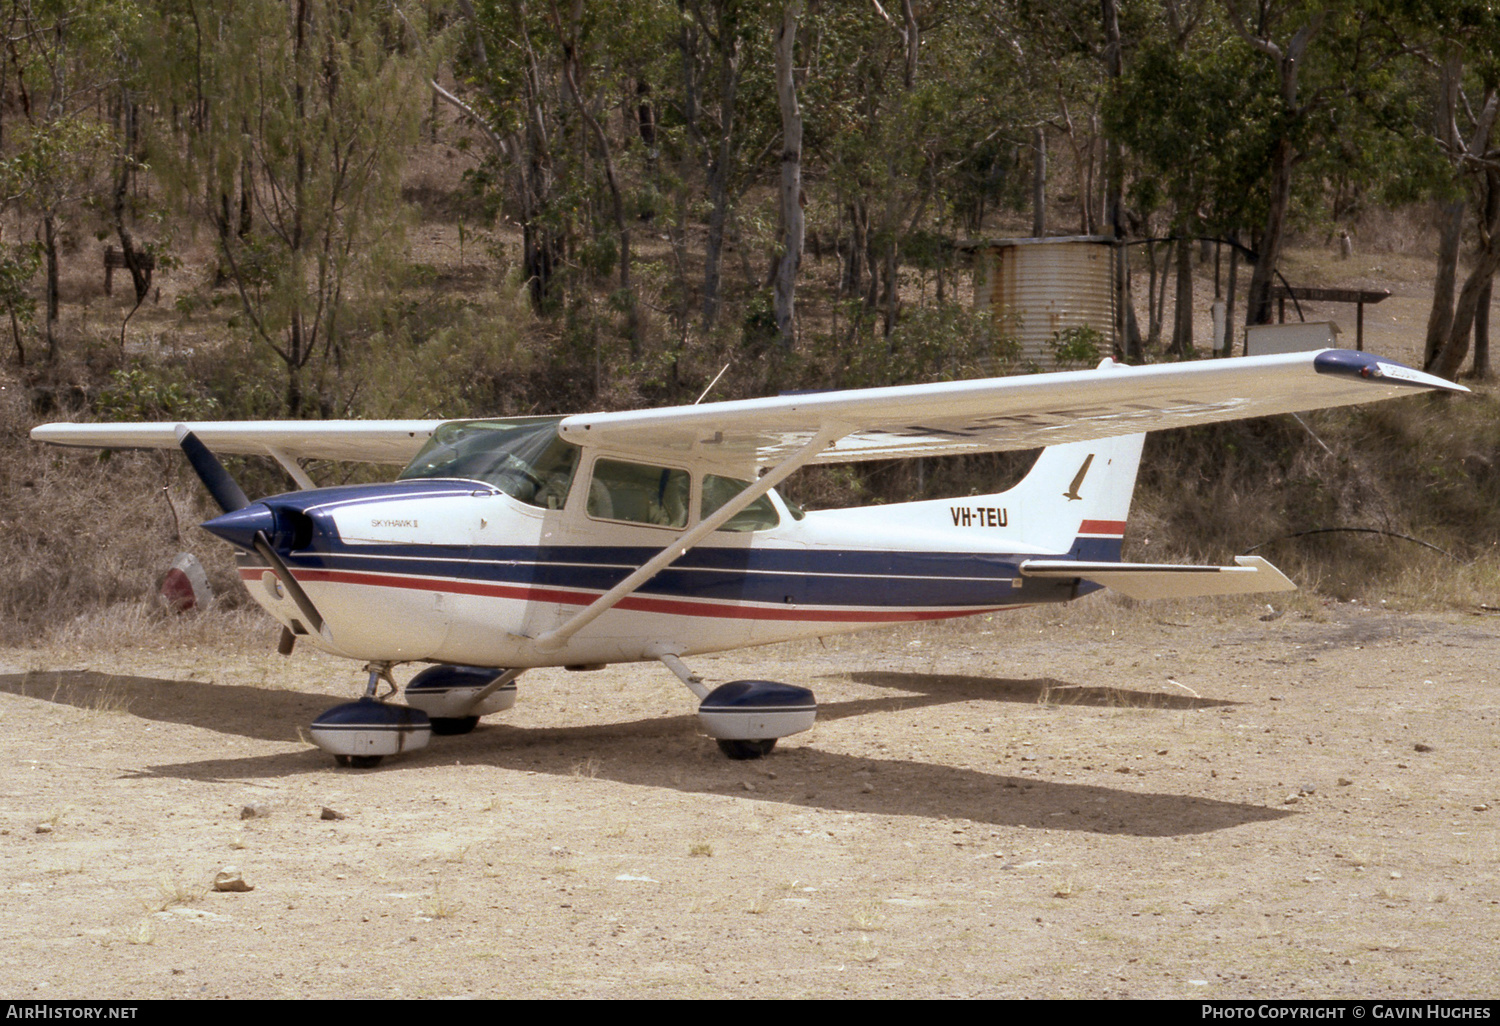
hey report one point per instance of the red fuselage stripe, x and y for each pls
(640, 603)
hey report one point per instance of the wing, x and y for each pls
(1002, 413)
(371, 441)
(945, 418)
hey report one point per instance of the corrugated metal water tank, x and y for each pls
(1038, 288)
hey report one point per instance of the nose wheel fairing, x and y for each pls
(367, 730)
(442, 700)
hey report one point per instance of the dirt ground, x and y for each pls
(1180, 801)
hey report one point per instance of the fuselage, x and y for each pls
(462, 570)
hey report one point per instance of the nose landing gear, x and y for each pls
(442, 700)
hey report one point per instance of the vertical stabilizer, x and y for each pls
(1077, 496)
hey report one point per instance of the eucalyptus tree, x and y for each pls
(513, 94)
(308, 110)
(902, 105)
(792, 200)
(1323, 58)
(548, 79)
(57, 73)
(724, 101)
(1193, 112)
(1457, 45)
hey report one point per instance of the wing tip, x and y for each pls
(1349, 363)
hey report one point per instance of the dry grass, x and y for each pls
(439, 905)
(81, 534)
(173, 892)
(1415, 469)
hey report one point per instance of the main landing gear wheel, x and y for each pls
(358, 761)
(445, 726)
(747, 716)
(742, 750)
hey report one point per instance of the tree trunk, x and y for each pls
(718, 172)
(791, 175)
(1482, 333)
(49, 246)
(1450, 359)
(571, 68)
(135, 260)
(1258, 306)
(294, 368)
(15, 332)
(1481, 367)
(859, 230)
(1114, 175)
(1039, 183)
(1440, 317)
(1283, 157)
(1182, 314)
(1234, 273)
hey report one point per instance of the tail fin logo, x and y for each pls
(1072, 493)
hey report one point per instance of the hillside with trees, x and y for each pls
(677, 185)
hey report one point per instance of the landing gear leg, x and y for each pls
(378, 672)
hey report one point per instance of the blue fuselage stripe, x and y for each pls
(783, 576)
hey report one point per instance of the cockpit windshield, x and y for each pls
(522, 457)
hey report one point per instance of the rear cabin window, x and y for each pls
(639, 493)
(760, 515)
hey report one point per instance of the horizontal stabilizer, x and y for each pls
(1166, 580)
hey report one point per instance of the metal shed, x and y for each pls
(1039, 288)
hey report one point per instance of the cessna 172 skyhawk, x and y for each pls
(522, 542)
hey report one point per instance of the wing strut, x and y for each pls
(558, 636)
(292, 467)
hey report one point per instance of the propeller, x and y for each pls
(231, 499)
(229, 495)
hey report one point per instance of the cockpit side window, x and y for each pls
(639, 493)
(760, 515)
(523, 458)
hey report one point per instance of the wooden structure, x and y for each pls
(1359, 297)
(114, 260)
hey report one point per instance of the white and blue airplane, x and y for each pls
(657, 535)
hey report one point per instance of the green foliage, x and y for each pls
(939, 343)
(758, 325)
(306, 115)
(1078, 347)
(163, 392)
(18, 266)
(1198, 121)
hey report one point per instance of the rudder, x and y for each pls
(1077, 496)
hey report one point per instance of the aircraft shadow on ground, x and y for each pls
(260, 713)
(937, 688)
(669, 752)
